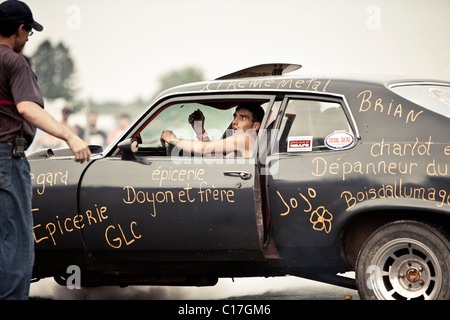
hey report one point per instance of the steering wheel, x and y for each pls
(169, 148)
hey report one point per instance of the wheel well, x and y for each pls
(359, 228)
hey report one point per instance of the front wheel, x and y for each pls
(404, 260)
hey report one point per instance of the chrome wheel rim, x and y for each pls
(405, 269)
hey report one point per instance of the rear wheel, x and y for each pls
(404, 260)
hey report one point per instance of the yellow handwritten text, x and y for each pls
(340, 168)
(116, 237)
(396, 190)
(293, 202)
(401, 149)
(49, 179)
(59, 227)
(140, 196)
(213, 194)
(447, 151)
(310, 84)
(320, 218)
(368, 103)
(203, 194)
(177, 175)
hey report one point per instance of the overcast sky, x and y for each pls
(122, 47)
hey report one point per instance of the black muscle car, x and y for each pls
(349, 174)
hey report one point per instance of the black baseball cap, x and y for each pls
(14, 11)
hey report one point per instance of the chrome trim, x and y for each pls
(352, 119)
(417, 82)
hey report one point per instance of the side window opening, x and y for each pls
(218, 119)
(175, 117)
(306, 124)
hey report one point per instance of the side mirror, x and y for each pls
(129, 147)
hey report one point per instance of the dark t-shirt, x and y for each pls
(17, 83)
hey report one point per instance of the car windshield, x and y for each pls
(433, 97)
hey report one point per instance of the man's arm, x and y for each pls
(197, 121)
(40, 118)
(240, 143)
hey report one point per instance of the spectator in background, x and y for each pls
(123, 123)
(95, 136)
(47, 141)
(65, 113)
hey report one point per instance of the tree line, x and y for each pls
(55, 68)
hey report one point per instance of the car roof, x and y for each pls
(272, 77)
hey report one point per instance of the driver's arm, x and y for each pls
(230, 144)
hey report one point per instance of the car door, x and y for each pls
(171, 208)
(304, 177)
(55, 177)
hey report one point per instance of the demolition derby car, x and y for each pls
(347, 174)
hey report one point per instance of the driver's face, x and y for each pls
(243, 120)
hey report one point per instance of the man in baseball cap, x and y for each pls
(17, 12)
(21, 113)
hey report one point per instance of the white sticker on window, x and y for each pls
(300, 143)
(339, 140)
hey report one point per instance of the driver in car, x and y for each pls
(240, 143)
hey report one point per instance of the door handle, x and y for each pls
(243, 174)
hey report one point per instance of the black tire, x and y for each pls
(404, 260)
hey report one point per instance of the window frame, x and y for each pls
(155, 109)
(326, 98)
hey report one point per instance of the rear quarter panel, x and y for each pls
(400, 163)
